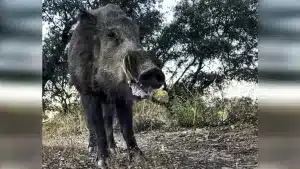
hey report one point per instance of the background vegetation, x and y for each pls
(207, 45)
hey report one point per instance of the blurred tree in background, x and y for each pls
(211, 42)
(207, 43)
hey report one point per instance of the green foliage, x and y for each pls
(191, 112)
(243, 110)
(160, 96)
(196, 112)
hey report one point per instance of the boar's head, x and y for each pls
(105, 55)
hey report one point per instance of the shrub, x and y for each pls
(193, 111)
(197, 112)
(190, 112)
(243, 110)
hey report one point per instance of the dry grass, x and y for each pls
(151, 116)
(232, 142)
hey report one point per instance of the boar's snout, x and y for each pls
(153, 77)
(147, 75)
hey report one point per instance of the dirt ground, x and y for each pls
(207, 148)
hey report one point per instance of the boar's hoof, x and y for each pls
(136, 153)
(101, 164)
(114, 150)
(92, 149)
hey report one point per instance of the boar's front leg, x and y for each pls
(94, 115)
(124, 112)
(108, 113)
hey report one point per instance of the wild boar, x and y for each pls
(105, 59)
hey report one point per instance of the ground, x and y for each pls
(209, 148)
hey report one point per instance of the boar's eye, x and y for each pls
(141, 38)
(114, 36)
(111, 34)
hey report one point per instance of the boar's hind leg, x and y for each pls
(93, 112)
(124, 112)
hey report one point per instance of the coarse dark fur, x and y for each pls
(98, 47)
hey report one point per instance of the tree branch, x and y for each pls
(186, 69)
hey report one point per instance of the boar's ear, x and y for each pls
(84, 16)
(142, 31)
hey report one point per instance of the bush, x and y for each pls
(243, 110)
(197, 112)
(191, 112)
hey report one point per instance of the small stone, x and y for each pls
(198, 130)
